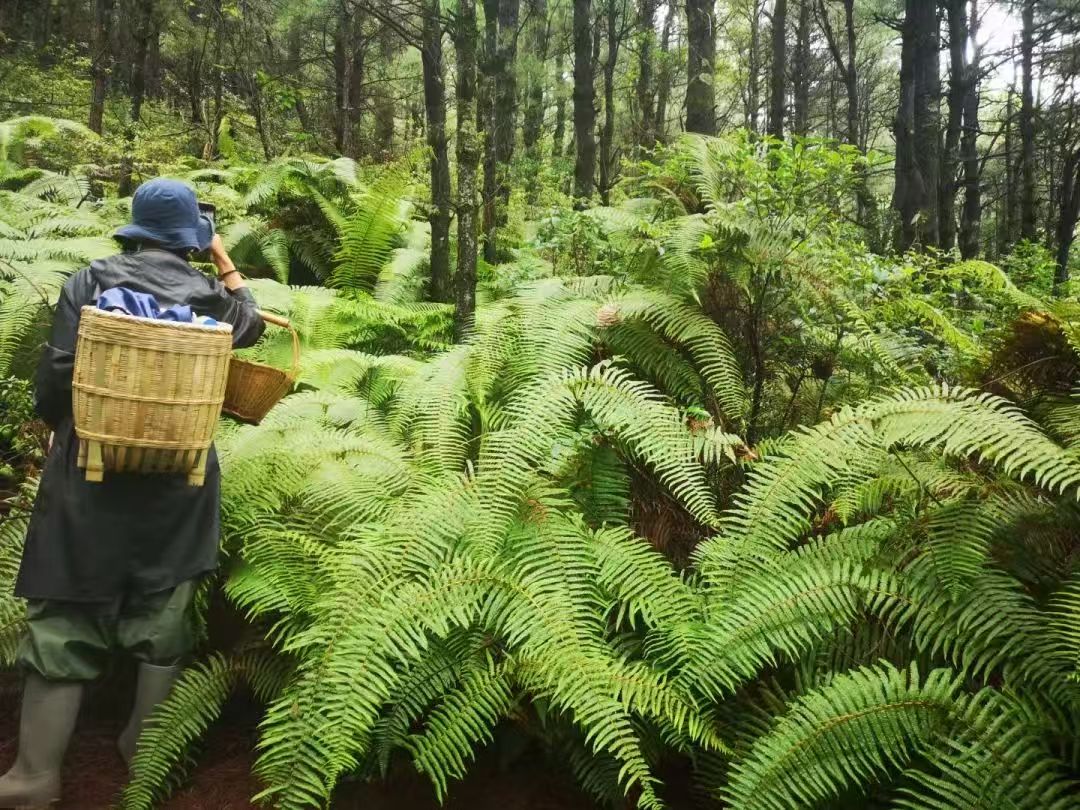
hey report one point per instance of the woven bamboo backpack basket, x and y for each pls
(147, 393)
(254, 388)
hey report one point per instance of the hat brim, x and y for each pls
(197, 238)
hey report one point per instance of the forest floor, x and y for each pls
(94, 773)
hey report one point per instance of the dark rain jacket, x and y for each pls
(94, 542)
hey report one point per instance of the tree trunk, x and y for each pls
(607, 133)
(356, 93)
(646, 136)
(700, 67)
(663, 79)
(342, 80)
(194, 90)
(505, 107)
(1054, 193)
(11, 18)
(846, 65)
(100, 57)
(1011, 231)
(928, 113)
(800, 78)
(956, 11)
(559, 135)
(534, 109)
(917, 128)
(42, 25)
(1067, 218)
(349, 80)
(584, 104)
(1027, 123)
(431, 58)
(971, 213)
(255, 105)
(210, 151)
(778, 80)
(486, 121)
(753, 67)
(468, 159)
(153, 62)
(143, 30)
(293, 70)
(383, 148)
(851, 77)
(123, 40)
(249, 79)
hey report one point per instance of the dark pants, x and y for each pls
(71, 641)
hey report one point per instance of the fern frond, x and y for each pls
(464, 717)
(706, 342)
(1064, 625)
(994, 759)
(367, 237)
(13, 527)
(194, 703)
(847, 733)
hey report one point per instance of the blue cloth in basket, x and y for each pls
(144, 305)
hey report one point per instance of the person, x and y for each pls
(114, 565)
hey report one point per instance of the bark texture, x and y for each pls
(956, 14)
(663, 78)
(643, 90)
(431, 57)
(468, 160)
(533, 123)
(700, 67)
(584, 103)
(608, 156)
(800, 73)
(1027, 122)
(1067, 218)
(971, 212)
(100, 57)
(778, 78)
(917, 128)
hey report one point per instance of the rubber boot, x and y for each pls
(155, 683)
(49, 711)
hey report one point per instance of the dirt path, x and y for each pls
(94, 773)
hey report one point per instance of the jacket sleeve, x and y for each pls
(237, 307)
(52, 383)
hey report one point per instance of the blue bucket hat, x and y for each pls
(166, 212)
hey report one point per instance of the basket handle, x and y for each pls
(278, 320)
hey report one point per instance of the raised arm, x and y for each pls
(235, 303)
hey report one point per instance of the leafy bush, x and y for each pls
(1031, 268)
(21, 435)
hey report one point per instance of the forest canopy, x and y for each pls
(687, 394)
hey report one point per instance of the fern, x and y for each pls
(367, 237)
(13, 527)
(1065, 624)
(850, 732)
(195, 702)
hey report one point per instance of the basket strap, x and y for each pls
(278, 320)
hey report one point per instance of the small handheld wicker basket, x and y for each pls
(254, 388)
(147, 394)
